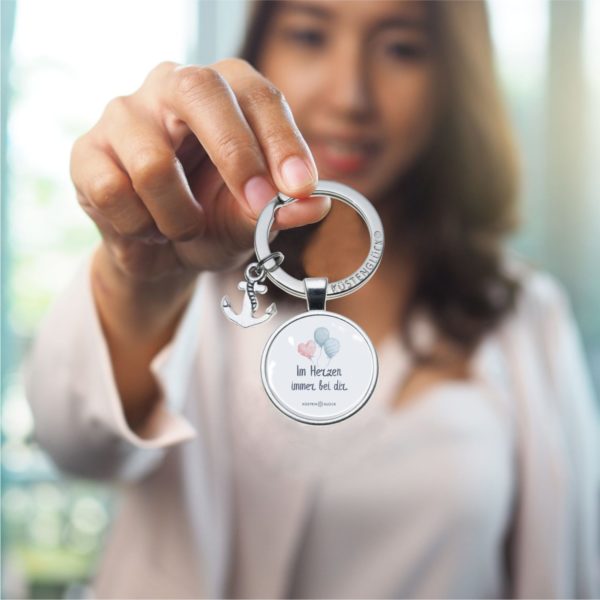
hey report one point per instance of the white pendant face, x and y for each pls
(319, 367)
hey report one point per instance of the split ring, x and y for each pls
(335, 289)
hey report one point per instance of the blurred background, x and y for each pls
(62, 61)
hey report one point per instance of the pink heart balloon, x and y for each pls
(307, 349)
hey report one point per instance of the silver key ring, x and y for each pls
(335, 289)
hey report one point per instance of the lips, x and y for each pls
(343, 156)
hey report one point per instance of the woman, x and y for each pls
(468, 473)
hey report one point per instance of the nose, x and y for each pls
(349, 93)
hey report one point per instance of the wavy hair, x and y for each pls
(458, 202)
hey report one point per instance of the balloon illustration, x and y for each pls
(321, 335)
(332, 347)
(307, 349)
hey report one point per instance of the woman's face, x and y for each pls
(360, 80)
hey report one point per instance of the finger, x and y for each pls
(290, 161)
(145, 153)
(302, 212)
(203, 98)
(104, 187)
(217, 198)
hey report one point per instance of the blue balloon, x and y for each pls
(332, 347)
(321, 335)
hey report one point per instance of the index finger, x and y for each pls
(290, 160)
(235, 101)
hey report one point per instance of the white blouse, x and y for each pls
(482, 488)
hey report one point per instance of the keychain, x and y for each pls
(319, 367)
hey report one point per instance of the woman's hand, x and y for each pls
(175, 174)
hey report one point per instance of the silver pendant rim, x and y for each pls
(335, 289)
(309, 420)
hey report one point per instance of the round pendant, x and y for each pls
(319, 367)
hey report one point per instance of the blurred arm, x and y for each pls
(76, 399)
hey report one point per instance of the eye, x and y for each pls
(306, 37)
(406, 51)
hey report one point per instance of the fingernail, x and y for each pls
(259, 192)
(296, 173)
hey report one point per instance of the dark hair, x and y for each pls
(457, 203)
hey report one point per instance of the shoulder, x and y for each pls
(542, 298)
(538, 345)
(541, 338)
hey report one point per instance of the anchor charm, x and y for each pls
(251, 287)
(246, 317)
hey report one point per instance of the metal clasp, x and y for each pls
(316, 292)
